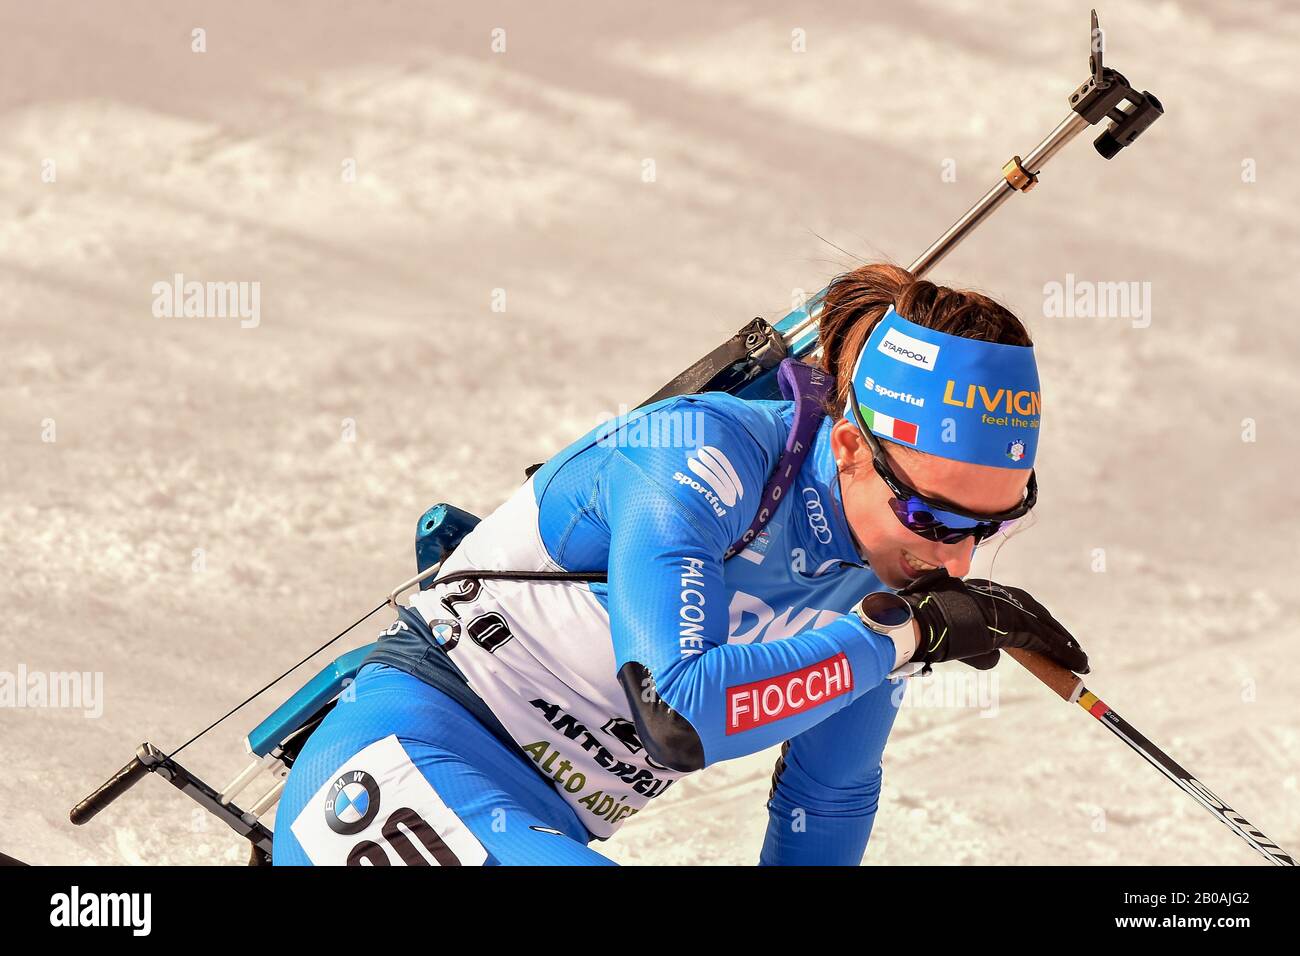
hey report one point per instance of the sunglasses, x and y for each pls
(932, 519)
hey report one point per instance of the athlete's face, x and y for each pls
(894, 553)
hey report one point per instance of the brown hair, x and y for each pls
(855, 301)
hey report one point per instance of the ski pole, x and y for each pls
(1070, 688)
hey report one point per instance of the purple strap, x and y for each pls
(809, 387)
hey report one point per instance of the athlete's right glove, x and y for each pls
(970, 620)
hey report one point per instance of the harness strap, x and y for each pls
(473, 574)
(809, 387)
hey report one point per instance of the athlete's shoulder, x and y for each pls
(713, 429)
(711, 452)
(728, 419)
(766, 422)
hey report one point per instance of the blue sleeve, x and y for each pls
(826, 787)
(672, 514)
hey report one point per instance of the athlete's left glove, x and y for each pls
(970, 620)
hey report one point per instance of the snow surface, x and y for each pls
(523, 171)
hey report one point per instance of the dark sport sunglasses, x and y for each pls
(931, 519)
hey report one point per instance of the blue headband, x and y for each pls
(948, 395)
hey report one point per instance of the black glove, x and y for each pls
(969, 620)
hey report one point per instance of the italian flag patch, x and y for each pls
(888, 426)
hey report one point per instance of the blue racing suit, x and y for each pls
(512, 721)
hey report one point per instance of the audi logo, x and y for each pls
(816, 515)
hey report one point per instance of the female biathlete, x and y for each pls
(511, 719)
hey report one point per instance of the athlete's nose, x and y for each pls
(957, 558)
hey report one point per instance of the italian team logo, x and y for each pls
(889, 427)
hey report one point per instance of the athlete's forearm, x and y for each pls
(736, 699)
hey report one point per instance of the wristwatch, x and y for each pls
(884, 612)
(888, 614)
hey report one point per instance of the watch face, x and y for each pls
(886, 609)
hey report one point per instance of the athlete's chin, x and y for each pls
(893, 571)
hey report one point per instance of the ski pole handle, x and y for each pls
(1056, 676)
(110, 790)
